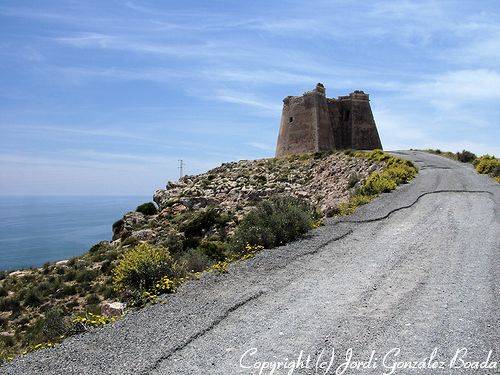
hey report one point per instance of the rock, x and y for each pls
(203, 201)
(122, 228)
(302, 194)
(237, 186)
(62, 262)
(165, 212)
(113, 308)
(178, 208)
(20, 273)
(161, 197)
(144, 234)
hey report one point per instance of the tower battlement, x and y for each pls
(312, 122)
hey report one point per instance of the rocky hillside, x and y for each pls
(198, 223)
(325, 180)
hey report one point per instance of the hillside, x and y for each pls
(199, 223)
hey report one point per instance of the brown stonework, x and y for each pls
(312, 122)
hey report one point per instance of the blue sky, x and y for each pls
(103, 97)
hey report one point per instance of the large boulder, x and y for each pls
(161, 198)
(123, 227)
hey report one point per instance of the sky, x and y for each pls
(104, 97)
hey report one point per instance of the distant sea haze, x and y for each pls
(35, 230)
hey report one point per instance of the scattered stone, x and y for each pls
(178, 208)
(236, 187)
(144, 234)
(19, 273)
(113, 308)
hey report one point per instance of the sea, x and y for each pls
(35, 230)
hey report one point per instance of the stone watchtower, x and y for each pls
(312, 122)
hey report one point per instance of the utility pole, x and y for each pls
(181, 167)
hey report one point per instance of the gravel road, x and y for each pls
(413, 272)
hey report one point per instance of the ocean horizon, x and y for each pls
(39, 229)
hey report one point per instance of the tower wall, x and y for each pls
(325, 136)
(298, 126)
(336, 124)
(362, 130)
(312, 122)
(305, 125)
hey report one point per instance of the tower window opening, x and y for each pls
(290, 119)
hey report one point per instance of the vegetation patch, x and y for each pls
(274, 222)
(488, 164)
(148, 208)
(397, 171)
(485, 164)
(142, 267)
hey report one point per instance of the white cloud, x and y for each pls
(269, 76)
(261, 146)
(246, 99)
(456, 88)
(484, 51)
(144, 44)
(163, 75)
(91, 132)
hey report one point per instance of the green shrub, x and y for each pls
(109, 292)
(92, 299)
(353, 180)
(69, 275)
(85, 275)
(106, 266)
(99, 247)
(32, 298)
(376, 183)
(487, 164)
(130, 241)
(466, 156)
(496, 172)
(174, 242)
(47, 329)
(6, 351)
(195, 260)
(71, 262)
(260, 179)
(66, 290)
(213, 249)
(375, 155)
(141, 267)
(400, 173)
(274, 222)
(148, 208)
(117, 224)
(347, 208)
(82, 288)
(49, 286)
(396, 171)
(3, 292)
(198, 222)
(9, 304)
